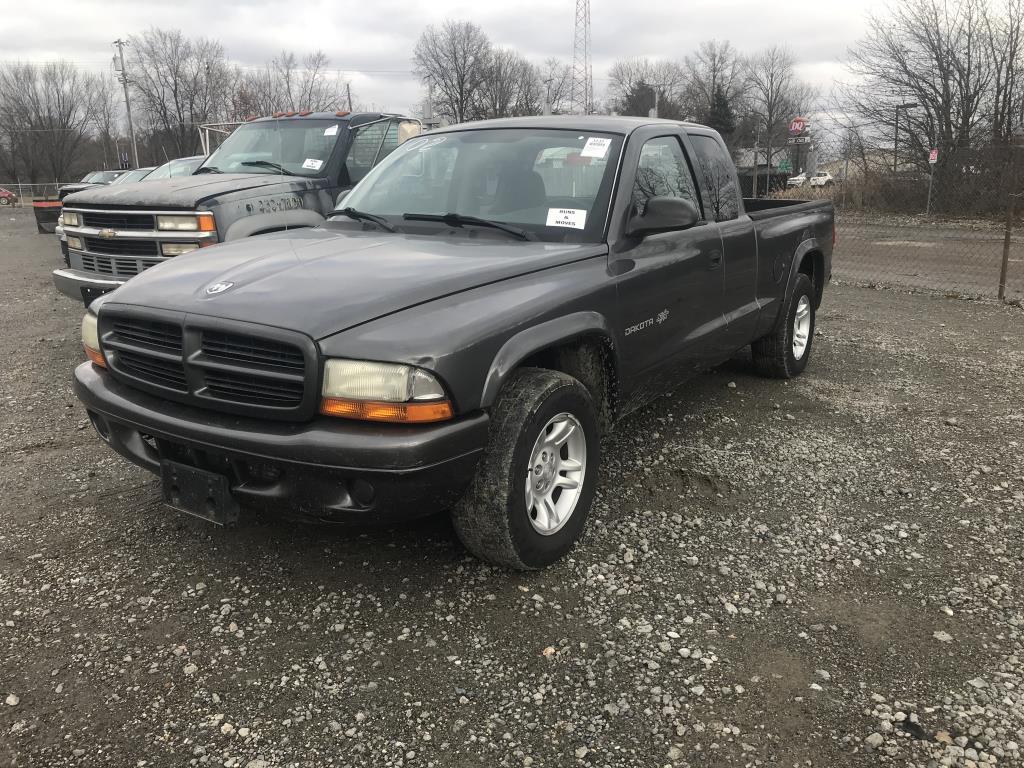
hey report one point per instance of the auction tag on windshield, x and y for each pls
(567, 217)
(595, 147)
(312, 164)
(332, 131)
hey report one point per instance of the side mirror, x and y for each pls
(664, 214)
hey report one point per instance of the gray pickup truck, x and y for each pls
(492, 298)
(271, 174)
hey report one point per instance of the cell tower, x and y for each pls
(581, 92)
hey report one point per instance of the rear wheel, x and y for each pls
(528, 503)
(784, 353)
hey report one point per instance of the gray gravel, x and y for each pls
(821, 572)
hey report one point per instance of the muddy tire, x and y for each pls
(784, 352)
(528, 503)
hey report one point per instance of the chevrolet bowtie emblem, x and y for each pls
(107, 233)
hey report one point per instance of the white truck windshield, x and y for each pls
(300, 147)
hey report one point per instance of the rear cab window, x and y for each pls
(717, 172)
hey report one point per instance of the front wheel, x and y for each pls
(529, 501)
(784, 352)
(5, 201)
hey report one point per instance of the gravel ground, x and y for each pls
(820, 572)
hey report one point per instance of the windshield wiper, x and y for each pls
(267, 164)
(380, 221)
(460, 220)
(207, 169)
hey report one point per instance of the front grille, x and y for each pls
(116, 266)
(164, 373)
(250, 350)
(148, 333)
(116, 247)
(265, 372)
(242, 388)
(102, 220)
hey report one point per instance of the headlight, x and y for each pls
(193, 222)
(75, 242)
(382, 392)
(91, 340)
(70, 219)
(177, 249)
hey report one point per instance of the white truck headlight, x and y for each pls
(371, 391)
(70, 219)
(177, 249)
(75, 243)
(190, 222)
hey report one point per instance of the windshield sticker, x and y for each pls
(596, 147)
(312, 164)
(332, 131)
(567, 217)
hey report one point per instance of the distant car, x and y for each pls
(7, 197)
(139, 174)
(822, 179)
(797, 181)
(183, 166)
(90, 180)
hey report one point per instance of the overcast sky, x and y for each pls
(373, 41)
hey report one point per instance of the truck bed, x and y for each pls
(765, 208)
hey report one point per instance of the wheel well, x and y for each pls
(813, 265)
(590, 359)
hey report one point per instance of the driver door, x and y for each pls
(670, 283)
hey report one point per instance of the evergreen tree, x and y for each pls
(720, 115)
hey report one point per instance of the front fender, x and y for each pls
(267, 222)
(534, 339)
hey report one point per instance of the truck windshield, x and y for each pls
(183, 166)
(298, 147)
(553, 184)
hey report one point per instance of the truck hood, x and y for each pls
(322, 281)
(180, 192)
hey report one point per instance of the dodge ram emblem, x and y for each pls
(216, 288)
(107, 233)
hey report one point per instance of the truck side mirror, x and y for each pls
(663, 214)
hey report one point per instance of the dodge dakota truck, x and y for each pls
(486, 303)
(271, 174)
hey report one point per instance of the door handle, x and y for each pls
(714, 260)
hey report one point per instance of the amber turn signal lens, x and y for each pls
(399, 413)
(206, 222)
(95, 356)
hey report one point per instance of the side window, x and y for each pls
(719, 177)
(663, 172)
(366, 141)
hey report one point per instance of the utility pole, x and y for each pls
(348, 95)
(127, 102)
(547, 97)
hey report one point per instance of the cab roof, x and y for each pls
(600, 123)
(356, 118)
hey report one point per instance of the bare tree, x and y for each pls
(455, 60)
(775, 94)
(179, 84)
(556, 78)
(284, 84)
(46, 116)
(1004, 33)
(714, 68)
(106, 111)
(931, 54)
(510, 86)
(634, 83)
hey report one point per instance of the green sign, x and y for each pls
(785, 166)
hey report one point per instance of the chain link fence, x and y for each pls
(953, 226)
(26, 194)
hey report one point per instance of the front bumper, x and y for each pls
(83, 286)
(328, 469)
